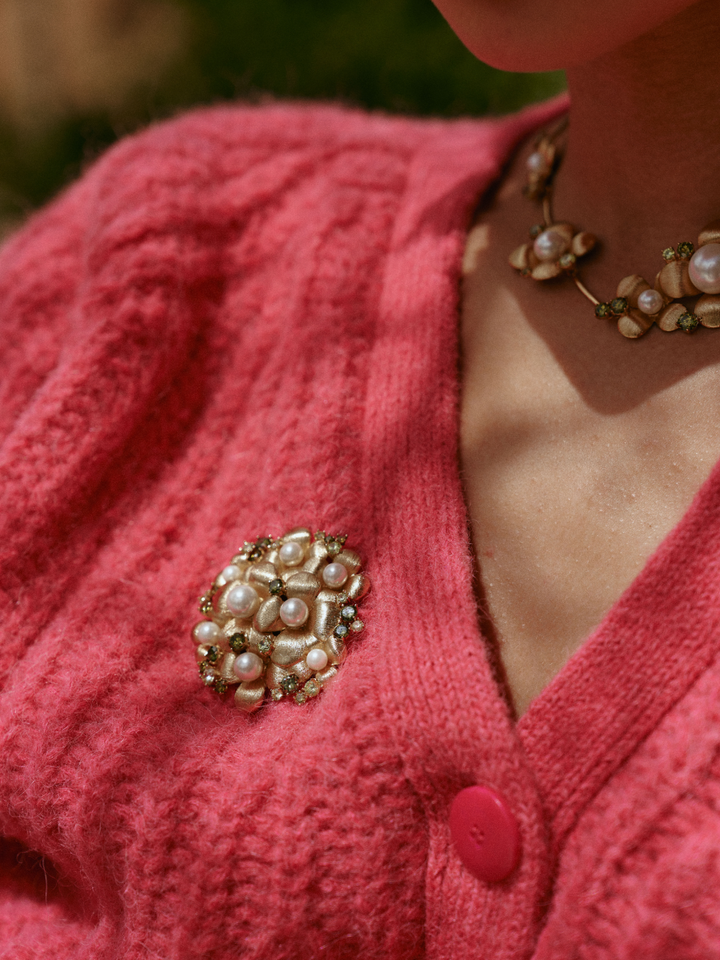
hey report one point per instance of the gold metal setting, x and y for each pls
(278, 618)
(555, 248)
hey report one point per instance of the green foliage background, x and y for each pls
(392, 55)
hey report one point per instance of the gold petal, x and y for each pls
(667, 319)
(357, 586)
(675, 280)
(300, 535)
(327, 617)
(327, 596)
(349, 559)
(316, 556)
(709, 234)
(291, 646)
(708, 309)
(302, 584)
(273, 675)
(273, 557)
(261, 575)
(302, 671)
(327, 675)
(631, 287)
(634, 324)
(583, 243)
(226, 668)
(249, 696)
(254, 636)
(566, 230)
(267, 618)
(335, 649)
(519, 257)
(222, 612)
(546, 271)
(235, 626)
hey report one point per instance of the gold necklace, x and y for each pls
(689, 271)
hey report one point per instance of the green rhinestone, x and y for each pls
(688, 322)
(290, 683)
(618, 306)
(238, 642)
(265, 645)
(334, 548)
(276, 586)
(212, 655)
(348, 613)
(568, 260)
(340, 631)
(535, 231)
(204, 667)
(264, 543)
(668, 254)
(221, 686)
(311, 688)
(685, 250)
(602, 310)
(255, 554)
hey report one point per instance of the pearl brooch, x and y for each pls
(278, 617)
(689, 271)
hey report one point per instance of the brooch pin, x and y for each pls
(279, 616)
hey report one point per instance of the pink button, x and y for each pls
(485, 833)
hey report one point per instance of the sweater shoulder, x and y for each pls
(214, 163)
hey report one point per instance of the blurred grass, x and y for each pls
(393, 55)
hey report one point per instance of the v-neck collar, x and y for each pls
(650, 647)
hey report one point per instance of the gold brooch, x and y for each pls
(279, 616)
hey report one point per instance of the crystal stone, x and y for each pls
(688, 322)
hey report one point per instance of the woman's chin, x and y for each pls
(528, 36)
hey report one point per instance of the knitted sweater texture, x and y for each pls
(243, 321)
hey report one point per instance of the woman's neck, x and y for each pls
(642, 167)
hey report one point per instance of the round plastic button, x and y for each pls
(485, 833)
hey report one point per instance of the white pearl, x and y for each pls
(536, 163)
(705, 268)
(248, 666)
(291, 553)
(335, 574)
(317, 659)
(294, 612)
(550, 245)
(243, 600)
(231, 572)
(650, 302)
(207, 632)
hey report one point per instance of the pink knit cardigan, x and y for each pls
(239, 322)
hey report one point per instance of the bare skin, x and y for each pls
(582, 450)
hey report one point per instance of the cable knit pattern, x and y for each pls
(241, 321)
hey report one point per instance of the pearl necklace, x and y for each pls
(690, 270)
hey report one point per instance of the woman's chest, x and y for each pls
(577, 458)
